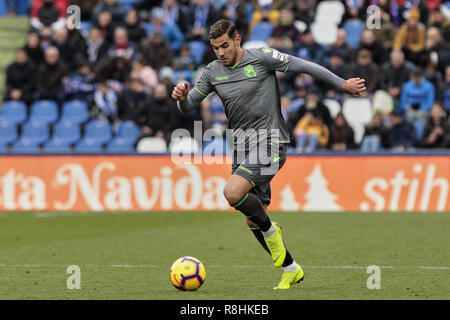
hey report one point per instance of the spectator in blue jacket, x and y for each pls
(170, 31)
(402, 135)
(417, 97)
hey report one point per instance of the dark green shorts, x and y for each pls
(260, 172)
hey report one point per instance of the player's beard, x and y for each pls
(232, 60)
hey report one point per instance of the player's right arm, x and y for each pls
(187, 100)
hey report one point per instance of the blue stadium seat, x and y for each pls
(14, 111)
(89, 145)
(98, 130)
(128, 4)
(261, 31)
(3, 8)
(25, 145)
(35, 131)
(75, 111)
(8, 132)
(57, 145)
(67, 131)
(354, 28)
(197, 49)
(128, 131)
(45, 111)
(21, 7)
(120, 145)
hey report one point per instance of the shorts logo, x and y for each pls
(276, 158)
(249, 71)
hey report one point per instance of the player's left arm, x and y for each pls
(278, 61)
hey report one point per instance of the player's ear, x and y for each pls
(237, 40)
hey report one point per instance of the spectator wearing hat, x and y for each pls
(410, 37)
(156, 52)
(417, 97)
(395, 73)
(364, 68)
(47, 14)
(405, 8)
(170, 31)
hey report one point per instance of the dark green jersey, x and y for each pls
(250, 94)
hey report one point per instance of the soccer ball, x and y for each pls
(187, 274)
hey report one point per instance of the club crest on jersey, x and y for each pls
(249, 71)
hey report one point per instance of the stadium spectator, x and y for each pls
(133, 101)
(122, 47)
(417, 96)
(116, 9)
(20, 78)
(167, 77)
(104, 23)
(86, 8)
(444, 92)
(50, 76)
(94, 43)
(48, 13)
(184, 61)
(311, 133)
(156, 52)
(369, 42)
(116, 68)
(104, 102)
(312, 103)
(144, 73)
(171, 32)
(310, 48)
(402, 135)
(441, 22)
(410, 37)
(72, 51)
(235, 11)
(342, 45)
(376, 135)
(175, 13)
(342, 136)
(200, 17)
(160, 114)
(80, 84)
(304, 10)
(395, 73)
(285, 27)
(386, 33)
(436, 50)
(33, 48)
(336, 65)
(133, 26)
(364, 68)
(413, 7)
(436, 133)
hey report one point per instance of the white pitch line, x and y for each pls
(217, 266)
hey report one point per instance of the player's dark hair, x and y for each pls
(221, 27)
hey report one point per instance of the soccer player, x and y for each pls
(246, 83)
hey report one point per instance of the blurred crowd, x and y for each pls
(125, 59)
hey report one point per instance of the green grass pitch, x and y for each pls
(128, 255)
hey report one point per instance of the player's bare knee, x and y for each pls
(231, 195)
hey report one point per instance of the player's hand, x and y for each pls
(354, 86)
(181, 91)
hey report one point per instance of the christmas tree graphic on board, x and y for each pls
(318, 197)
(288, 202)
